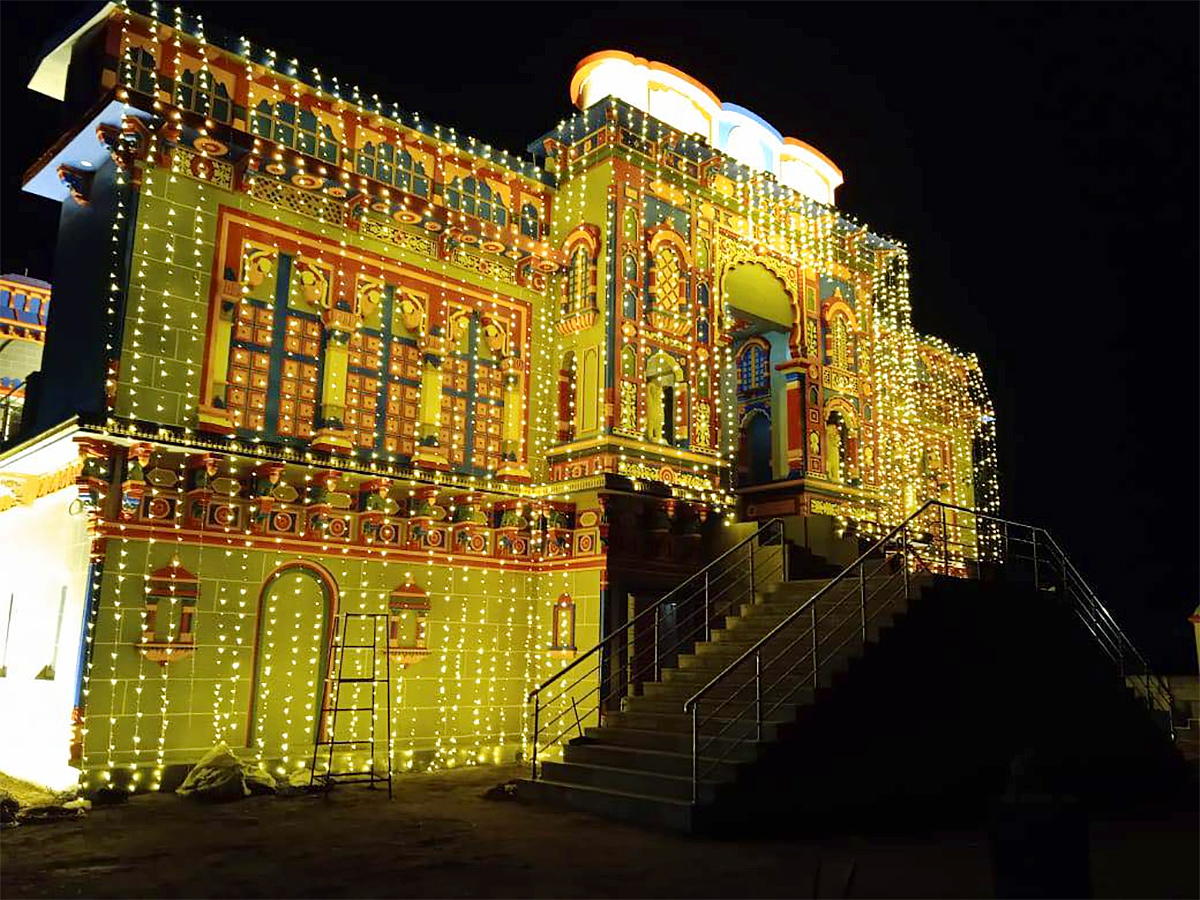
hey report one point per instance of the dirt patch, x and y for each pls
(439, 837)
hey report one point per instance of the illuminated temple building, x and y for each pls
(312, 354)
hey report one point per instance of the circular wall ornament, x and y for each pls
(211, 146)
(306, 181)
(406, 217)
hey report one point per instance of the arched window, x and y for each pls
(629, 224)
(139, 71)
(567, 374)
(629, 303)
(285, 123)
(578, 281)
(702, 382)
(530, 221)
(629, 267)
(563, 636)
(475, 197)
(752, 367)
(394, 166)
(203, 94)
(628, 362)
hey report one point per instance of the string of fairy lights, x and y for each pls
(464, 705)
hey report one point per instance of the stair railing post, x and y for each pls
(537, 702)
(904, 557)
(753, 541)
(945, 544)
(783, 548)
(813, 619)
(862, 594)
(656, 642)
(695, 752)
(1034, 531)
(758, 695)
(707, 613)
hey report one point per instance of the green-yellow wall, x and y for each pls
(488, 632)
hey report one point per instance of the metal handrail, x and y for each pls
(668, 596)
(1095, 616)
(702, 581)
(792, 616)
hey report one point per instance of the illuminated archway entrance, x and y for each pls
(295, 614)
(760, 310)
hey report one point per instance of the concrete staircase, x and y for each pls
(637, 765)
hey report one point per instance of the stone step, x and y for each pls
(798, 690)
(671, 742)
(644, 760)
(728, 707)
(748, 631)
(657, 812)
(628, 781)
(681, 723)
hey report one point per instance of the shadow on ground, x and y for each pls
(440, 838)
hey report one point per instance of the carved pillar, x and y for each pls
(796, 379)
(213, 414)
(514, 466)
(429, 453)
(333, 434)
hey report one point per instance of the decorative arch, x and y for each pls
(329, 609)
(836, 306)
(664, 236)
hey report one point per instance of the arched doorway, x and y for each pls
(666, 400)
(754, 449)
(762, 316)
(296, 607)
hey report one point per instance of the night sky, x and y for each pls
(1040, 161)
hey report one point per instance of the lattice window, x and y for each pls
(300, 129)
(455, 385)
(404, 394)
(842, 344)
(475, 197)
(140, 71)
(393, 165)
(203, 94)
(667, 279)
(363, 385)
(249, 366)
(306, 203)
(298, 383)
(489, 386)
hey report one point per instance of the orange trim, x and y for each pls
(796, 142)
(585, 66)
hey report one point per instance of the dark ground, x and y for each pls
(439, 838)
